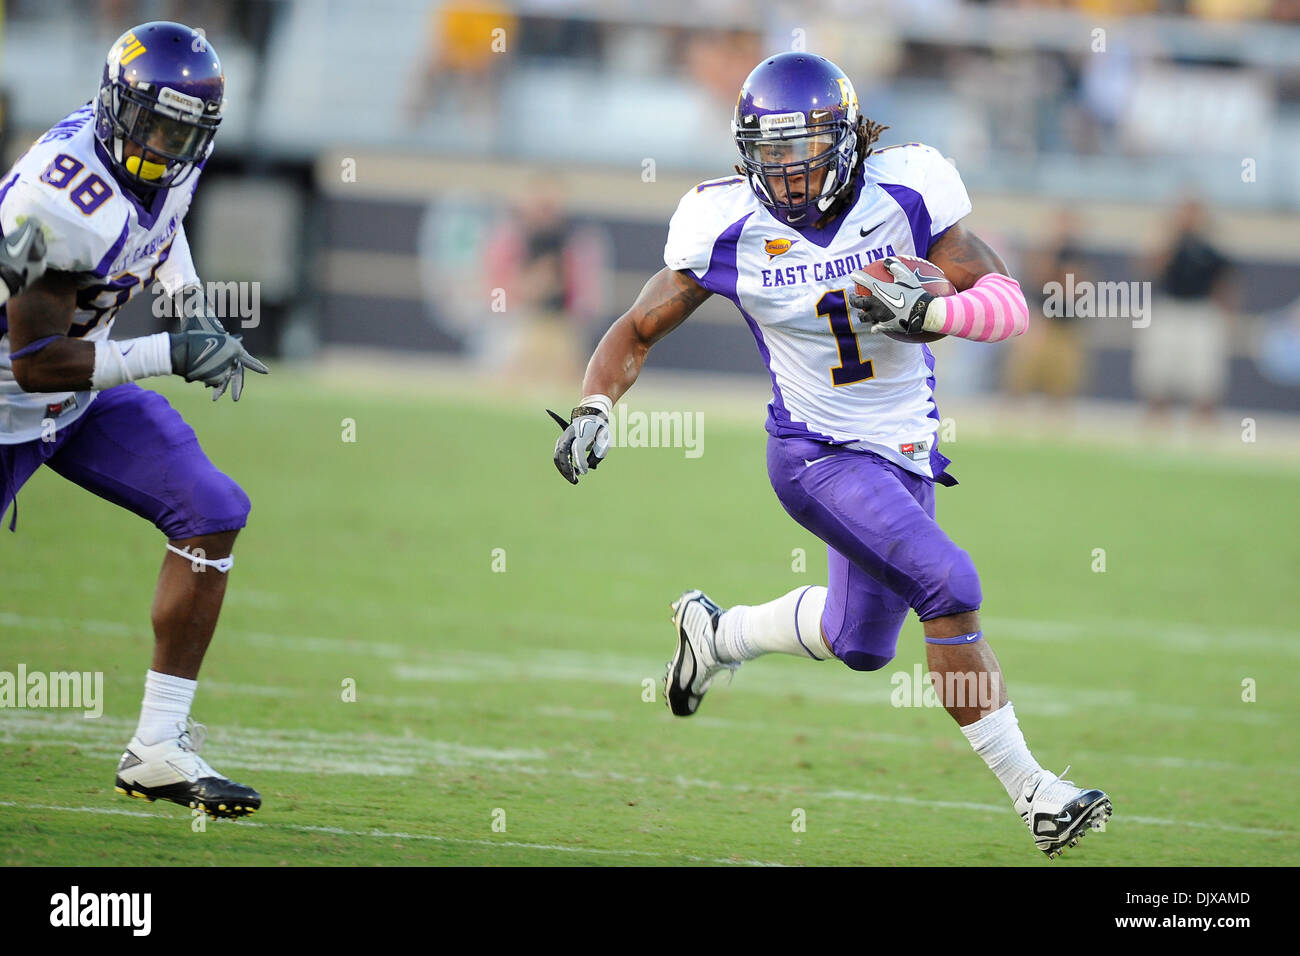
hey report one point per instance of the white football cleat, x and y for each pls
(173, 770)
(1058, 813)
(696, 663)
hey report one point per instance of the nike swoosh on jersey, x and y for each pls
(866, 232)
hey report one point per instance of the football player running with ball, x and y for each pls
(852, 423)
(109, 186)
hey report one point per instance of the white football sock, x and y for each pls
(789, 625)
(167, 701)
(997, 738)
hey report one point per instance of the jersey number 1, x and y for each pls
(851, 368)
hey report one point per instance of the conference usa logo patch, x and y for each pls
(777, 247)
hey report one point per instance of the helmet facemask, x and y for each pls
(784, 159)
(171, 132)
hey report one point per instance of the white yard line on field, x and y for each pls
(297, 750)
(1183, 637)
(290, 751)
(825, 683)
(397, 835)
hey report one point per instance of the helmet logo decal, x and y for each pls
(848, 96)
(771, 121)
(181, 101)
(128, 49)
(776, 247)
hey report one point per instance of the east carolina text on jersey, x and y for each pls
(821, 271)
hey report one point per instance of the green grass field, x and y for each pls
(521, 690)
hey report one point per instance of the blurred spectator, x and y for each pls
(719, 60)
(467, 43)
(1107, 84)
(1051, 358)
(554, 277)
(1183, 353)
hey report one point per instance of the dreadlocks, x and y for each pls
(868, 133)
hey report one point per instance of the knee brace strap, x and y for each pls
(959, 639)
(221, 564)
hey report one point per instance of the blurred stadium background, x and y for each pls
(384, 166)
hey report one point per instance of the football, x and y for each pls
(932, 280)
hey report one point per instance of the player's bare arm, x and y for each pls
(43, 314)
(965, 258)
(45, 359)
(665, 302)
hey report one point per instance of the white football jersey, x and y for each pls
(832, 379)
(96, 228)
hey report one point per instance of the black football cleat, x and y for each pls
(173, 770)
(1059, 814)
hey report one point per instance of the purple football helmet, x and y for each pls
(162, 91)
(797, 114)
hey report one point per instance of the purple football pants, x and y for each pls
(885, 551)
(132, 448)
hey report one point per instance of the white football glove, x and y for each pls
(584, 443)
(898, 306)
(22, 259)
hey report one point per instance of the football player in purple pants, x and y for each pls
(110, 185)
(852, 449)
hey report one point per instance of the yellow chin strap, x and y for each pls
(145, 170)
